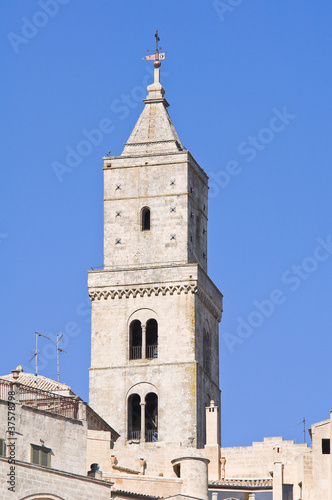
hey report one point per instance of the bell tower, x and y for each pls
(155, 312)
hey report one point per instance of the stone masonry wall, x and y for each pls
(54, 484)
(257, 461)
(65, 437)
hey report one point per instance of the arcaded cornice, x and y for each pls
(106, 293)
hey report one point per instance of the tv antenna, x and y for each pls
(58, 350)
(302, 422)
(157, 56)
(36, 352)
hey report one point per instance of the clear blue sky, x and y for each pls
(250, 93)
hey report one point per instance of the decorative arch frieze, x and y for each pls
(120, 293)
(141, 292)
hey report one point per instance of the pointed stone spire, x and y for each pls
(154, 131)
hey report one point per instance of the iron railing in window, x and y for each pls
(136, 352)
(151, 436)
(134, 435)
(151, 351)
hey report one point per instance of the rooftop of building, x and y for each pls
(45, 394)
(251, 484)
(38, 381)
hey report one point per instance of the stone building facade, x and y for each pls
(155, 312)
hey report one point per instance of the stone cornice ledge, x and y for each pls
(112, 293)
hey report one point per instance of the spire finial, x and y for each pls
(157, 56)
(157, 62)
(157, 40)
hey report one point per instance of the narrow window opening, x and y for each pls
(145, 219)
(151, 339)
(2, 448)
(287, 492)
(326, 447)
(134, 417)
(177, 470)
(40, 455)
(135, 340)
(151, 417)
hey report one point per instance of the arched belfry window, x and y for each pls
(143, 339)
(151, 417)
(134, 417)
(135, 349)
(151, 339)
(146, 219)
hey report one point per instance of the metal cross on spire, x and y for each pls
(157, 40)
(157, 56)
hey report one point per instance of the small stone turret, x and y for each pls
(192, 468)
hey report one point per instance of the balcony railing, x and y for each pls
(43, 400)
(5, 387)
(136, 352)
(134, 435)
(151, 436)
(151, 351)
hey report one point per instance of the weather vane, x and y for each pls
(157, 56)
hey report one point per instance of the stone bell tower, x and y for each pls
(155, 312)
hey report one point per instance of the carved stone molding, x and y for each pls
(215, 311)
(141, 292)
(112, 293)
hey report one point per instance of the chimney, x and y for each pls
(16, 372)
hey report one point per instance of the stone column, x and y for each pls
(143, 341)
(277, 481)
(156, 75)
(248, 496)
(81, 412)
(143, 422)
